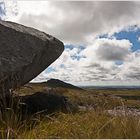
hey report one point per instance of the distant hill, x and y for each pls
(58, 83)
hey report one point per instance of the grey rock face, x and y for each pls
(24, 53)
(46, 102)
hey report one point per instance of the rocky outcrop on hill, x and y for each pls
(58, 83)
(24, 53)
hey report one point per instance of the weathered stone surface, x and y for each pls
(24, 53)
(39, 102)
(46, 102)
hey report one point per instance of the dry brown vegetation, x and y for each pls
(90, 121)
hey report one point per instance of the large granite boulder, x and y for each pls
(24, 53)
(39, 102)
(44, 102)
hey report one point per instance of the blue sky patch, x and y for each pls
(131, 35)
(49, 69)
(2, 10)
(62, 66)
(76, 56)
(118, 62)
(73, 46)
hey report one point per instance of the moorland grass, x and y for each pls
(91, 124)
(95, 123)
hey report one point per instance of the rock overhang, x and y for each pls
(24, 53)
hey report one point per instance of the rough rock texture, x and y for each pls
(39, 102)
(46, 102)
(24, 53)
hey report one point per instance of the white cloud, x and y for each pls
(130, 69)
(82, 22)
(139, 38)
(2, 10)
(74, 22)
(92, 68)
(112, 49)
(8, 9)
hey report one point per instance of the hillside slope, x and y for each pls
(58, 83)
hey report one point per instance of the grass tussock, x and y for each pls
(91, 123)
(80, 125)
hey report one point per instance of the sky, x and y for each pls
(102, 39)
